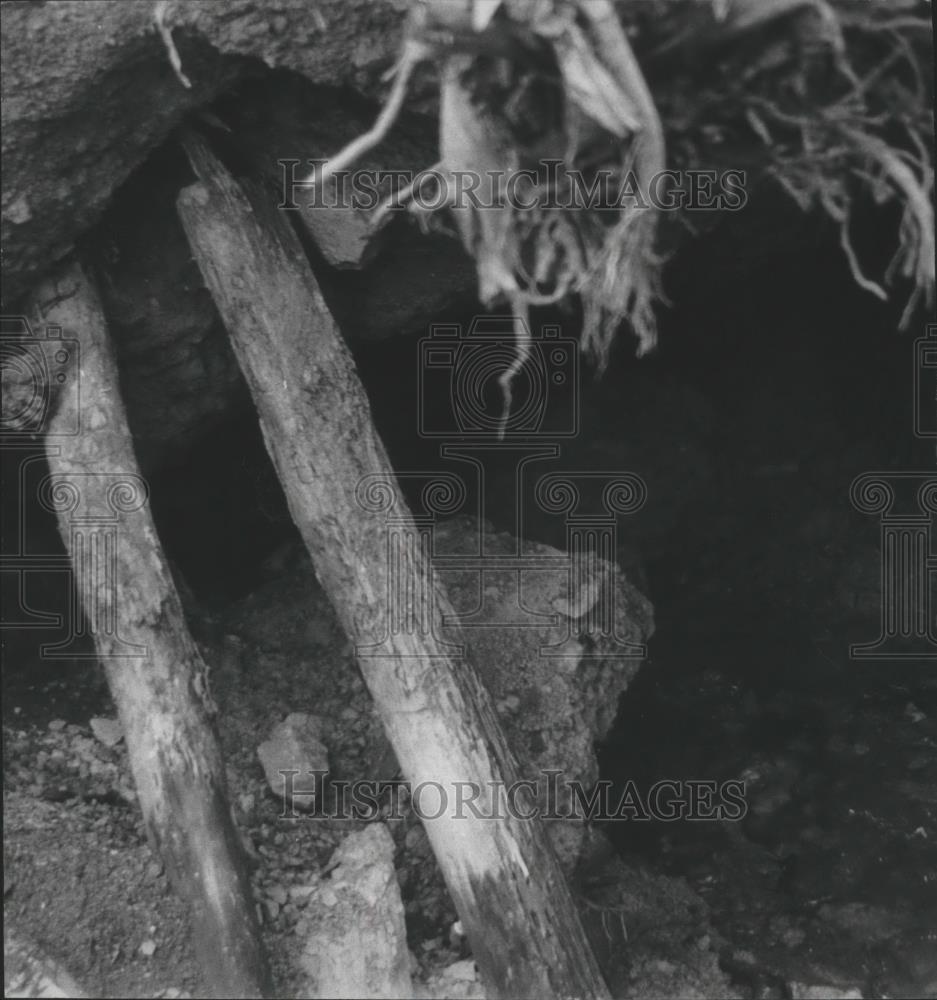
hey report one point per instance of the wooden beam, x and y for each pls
(505, 881)
(155, 673)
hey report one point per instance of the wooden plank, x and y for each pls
(501, 872)
(154, 670)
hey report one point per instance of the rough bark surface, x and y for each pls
(88, 92)
(155, 672)
(502, 875)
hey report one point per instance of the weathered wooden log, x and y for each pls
(503, 877)
(154, 670)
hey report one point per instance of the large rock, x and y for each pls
(88, 93)
(553, 708)
(555, 683)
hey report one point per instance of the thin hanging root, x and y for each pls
(918, 243)
(165, 32)
(414, 52)
(855, 267)
(522, 341)
(400, 198)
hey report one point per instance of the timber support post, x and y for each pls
(506, 883)
(155, 672)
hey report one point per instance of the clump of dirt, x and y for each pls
(81, 885)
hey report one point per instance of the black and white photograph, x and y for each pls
(469, 499)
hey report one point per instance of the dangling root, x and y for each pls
(165, 32)
(623, 278)
(414, 52)
(522, 342)
(398, 199)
